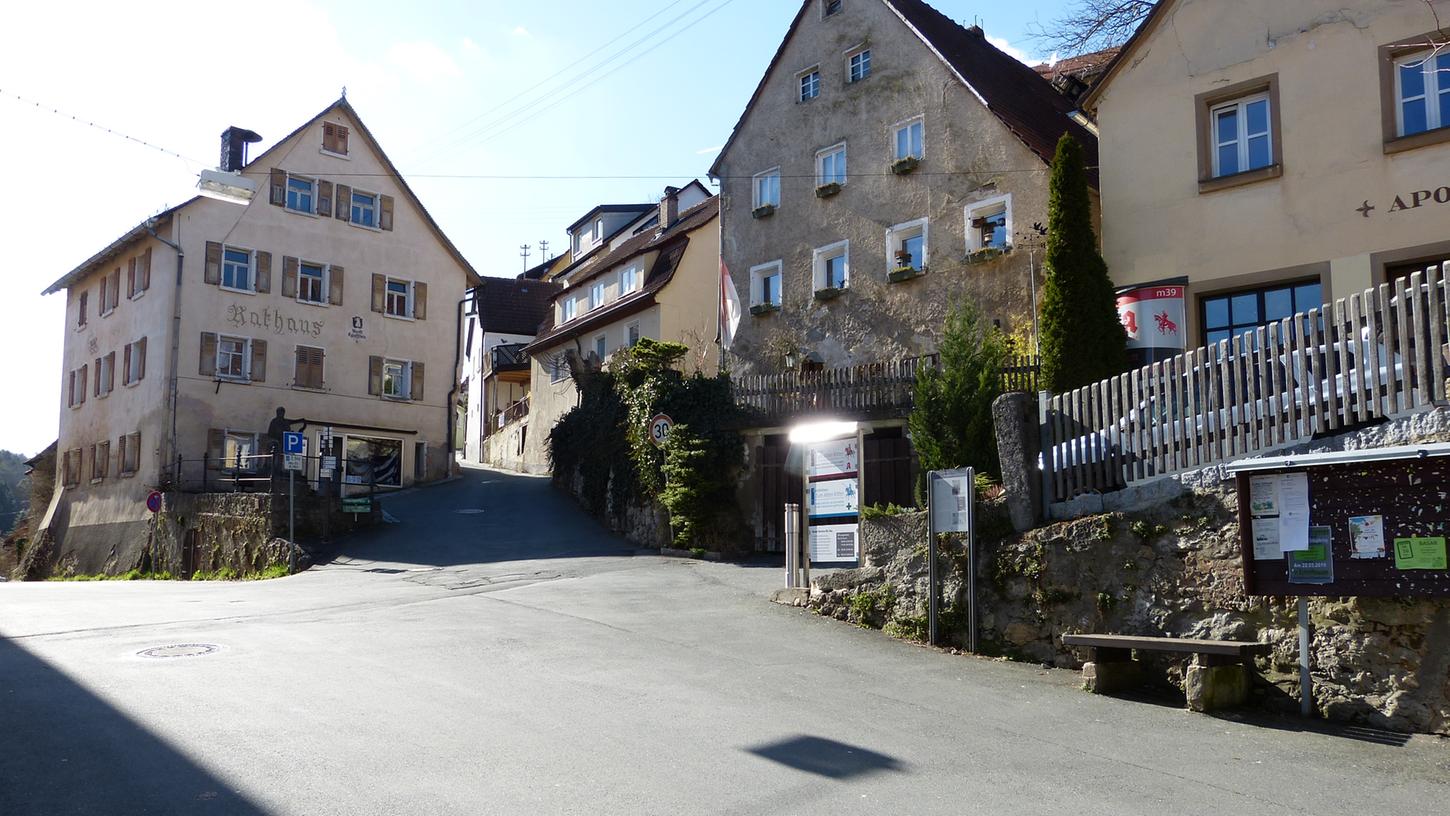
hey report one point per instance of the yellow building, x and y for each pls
(1277, 155)
(332, 294)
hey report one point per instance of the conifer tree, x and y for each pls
(951, 423)
(1082, 338)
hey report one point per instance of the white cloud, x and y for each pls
(423, 60)
(522, 32)
(709, 151)
(1012, 51)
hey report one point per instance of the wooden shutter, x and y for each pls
(115, 287)
(341, 139)
(97, 385)
(212, 271)
(309, 367)
(289, 276)
(375, 376)
(415, 378)
(81, 316)
(324, 198)
(279, 187)
(334, 285)
(420, 301)
(259, 360)
(82, 390)
(110, 372)
(141, 364)
(344, 203)
(131, 278)
(216, 446)
(208, 355)
(264, 272)
(144, 270)
(380, 287)
(385, 213)
(126, 364)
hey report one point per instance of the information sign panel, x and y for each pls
(951, 499)
(839, 498)
(830, 460)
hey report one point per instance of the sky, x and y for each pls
(641, 92)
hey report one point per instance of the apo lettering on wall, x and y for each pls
(272, 320)
(1409, 201)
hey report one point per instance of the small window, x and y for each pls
(909, 140)
(832, 266)
(100, 461)
(106, 374)
(831, 166)
(420, 461)
(396, 379)
(767, 189)
(71, 467)
(233, 357)
(989, 224)
(399, 298)
(334, 139)
(858, 65)
(240, 452)
(567, 310)
(237, 269)
(628, 280)
(301, 194)
(765, 284)
(365, 209)
(558, 368)
(130, 453)
(631, 333)
(596, 295)
(308, 367)
(311, 283)
(810, 85)
(601, 346)
(81, 308)
(135, 362)
(107, 304)
(1242, 136)
(1228, 315)
(907, 243)
(830, 7)
(1422, 92)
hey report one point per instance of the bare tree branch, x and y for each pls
(1092, 25)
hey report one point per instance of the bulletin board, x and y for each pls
(1373, 528)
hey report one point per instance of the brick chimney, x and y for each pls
(669, 208)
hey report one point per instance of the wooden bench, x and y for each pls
(1217, 678)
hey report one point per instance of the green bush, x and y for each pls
(951, 423)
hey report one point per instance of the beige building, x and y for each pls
(1276, 155)
(332, 293)
(662, 282)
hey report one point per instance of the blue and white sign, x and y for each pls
(294, 442)
(836, 499)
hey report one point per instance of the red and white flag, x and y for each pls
(729, 316)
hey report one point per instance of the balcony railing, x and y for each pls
(512, 413)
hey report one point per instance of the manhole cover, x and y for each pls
(470, 512)
(180, 650)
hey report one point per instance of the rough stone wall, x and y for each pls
(1172, 571)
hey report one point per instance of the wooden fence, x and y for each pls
(1362, 358)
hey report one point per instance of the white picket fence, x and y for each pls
(1367, 356)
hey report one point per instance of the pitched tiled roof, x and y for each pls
(1025, 102)
(1082, 65)
(513, 305)
(671, 245)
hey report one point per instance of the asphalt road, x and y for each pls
(496, 652)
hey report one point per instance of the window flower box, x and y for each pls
(905, 165)
(763, 211)
(764, 308)
(988, 254)
(829, 293)
(905, 273)
(828, 190)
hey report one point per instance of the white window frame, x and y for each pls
(250, 464)
(106, 296)
(1436, 82)
(404, 378)
(903, 231)
(826, 8)
(632, 333)
(598, 294)
(630, 278)
(251, 287)
(1240, 106)
(800, 84)
(758, 200)
(388, 298)
(105, 374)
(758, 274)
(376, 209)
(974, 236)
(133, 372)
(287, 194)
(601, 346)
(918, 121)
(568, 309)
(819, 257)
(825, 153)
(323, 283)
(862, 52)
(246, 352)
(558, 369)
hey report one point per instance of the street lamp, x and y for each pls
(807, 433)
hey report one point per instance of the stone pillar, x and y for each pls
(1209, 688)
(1014, 418)
(1111, 676)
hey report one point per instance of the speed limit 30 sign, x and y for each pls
(659, 428)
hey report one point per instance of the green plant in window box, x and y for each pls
(763, 211)
(764, 308)
(905, 273)
(905, 165)
(828, 190)
(988, 254)
(829, 293)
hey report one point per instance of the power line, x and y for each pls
(78, 120)
(675, 176)
(453, 131)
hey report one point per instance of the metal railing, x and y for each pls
(264, 473)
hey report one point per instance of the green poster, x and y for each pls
(1316, 564)
(1420, 553)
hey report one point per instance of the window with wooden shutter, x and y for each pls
(415, 378)
(334, 138)
(420, 301)
(278, 193)
(264, 272)
(115, 287)
(101, 461)
(344, 203)
(259, 360)
(131, 279)
(82, 385)
(380, 286)
(81, 313)
(143, 272)
(110, 372)
(324, 198)
(207, 364)
(70, 389)
(216, 440)
(139, 361)
(212, 270)
(334, 285)
(309, 367)
(385, 213)
(375, 376)
(126, 364)
(97, 384)
(289, 276)
(105, 305)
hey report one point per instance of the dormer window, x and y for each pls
(628, 280)
(334, 139)
(830, 8)
(567, 310)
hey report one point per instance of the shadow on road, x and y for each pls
(826, 757)
(68, 751)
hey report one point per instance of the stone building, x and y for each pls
(889, 163)
(331, 292)
(1275, 156)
